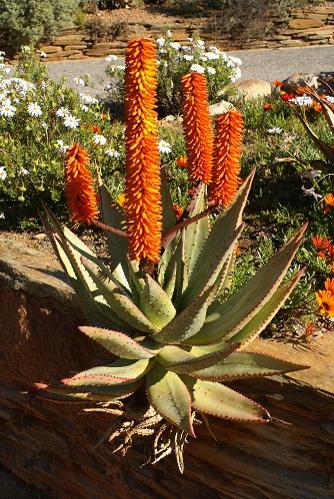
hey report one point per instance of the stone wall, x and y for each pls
(300, 28)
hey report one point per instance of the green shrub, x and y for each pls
(175, 60)
(25, 22)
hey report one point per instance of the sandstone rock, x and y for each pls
(305, 23)
(80, 46)
(292, 43)
(63, 54)
(69, 39)
(77, 56)
(49, 49)
(252, 89)
(220, 108)
(97, 52)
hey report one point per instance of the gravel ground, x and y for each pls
(261, 64)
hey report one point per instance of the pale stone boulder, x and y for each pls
(220, 108)
(253, 89)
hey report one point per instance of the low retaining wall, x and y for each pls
(301, 28)
(53, 446)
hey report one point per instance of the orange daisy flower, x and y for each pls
(323, 246)
(81, 197)
(227, 153)
(277, 83)
(178, 210)
(197, 127)
(182, 161)
(326, 302)
(267, 106)
(329, 202)
(329, 285)
(142, 188)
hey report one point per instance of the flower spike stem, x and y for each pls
(166, 238)
(109, 228)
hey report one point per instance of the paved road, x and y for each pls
(262, 64)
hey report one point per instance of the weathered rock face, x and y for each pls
(322, 82)
(54, 446)
(253, 89)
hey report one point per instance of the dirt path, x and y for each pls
(261, 64)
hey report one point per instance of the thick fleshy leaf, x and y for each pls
(156, 304)
(197, 232)
(223, 402)
(261, 319)
(121, 371)
(236, 312)
(118, 343)
(174, 268)
(246, 365)
(121, 304)
(188, 322)
(218, 245)
(184, 362)
(63, 393)
(169, 396)
(66, 245)
(112, 215)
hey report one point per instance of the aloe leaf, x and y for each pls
(219, 244)
(197, 232)
(121, 371)
(223, 402)
(63, 393)
(111, 215)
(95, 307)
(246, 365)
(232, 315)
(188, 322)
(184, 362)
(177, 266)
(169, 396)
(119, 302)
(326, 150)
(118, 343)
(156, 304)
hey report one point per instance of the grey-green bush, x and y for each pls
(25, 22)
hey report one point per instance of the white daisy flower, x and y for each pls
(7, 109)
(175, 45)
(62, 112)
(236, 75)
(3, 173)
(79, 81)
(84, 108)
(164, 147)
(42, 54)
(112, 153)
(160, 41)
(169, 33)
(2, 215)
(121, 67)
(188, 57)
(34, 109)
(111, 57)
(99, 140)
(24, 172)
(236, 61)
(88, 99)
(197, 68)
(302, 100)
(211, 71)
(275, 130)
(330, 99)
(211, 56)
(71, 121)
(62, 148)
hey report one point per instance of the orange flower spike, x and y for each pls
(197, 127)
(226, 158)
(81, 197)
(326, 302)
(142, 187)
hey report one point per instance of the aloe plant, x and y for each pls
(161, 308)
(171, 330)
